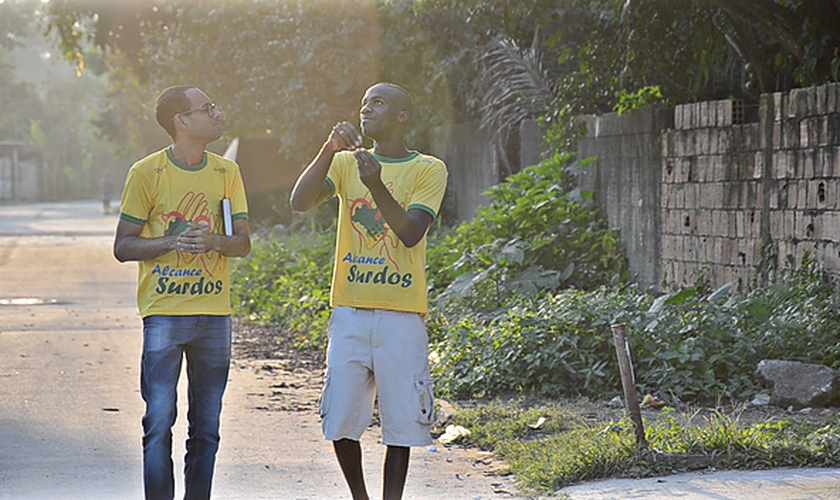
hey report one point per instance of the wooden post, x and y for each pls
(628, 383)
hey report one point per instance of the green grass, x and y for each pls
(574, 445)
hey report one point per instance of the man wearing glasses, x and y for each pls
(171, 223)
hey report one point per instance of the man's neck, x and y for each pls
(391, 149)
(188, 153)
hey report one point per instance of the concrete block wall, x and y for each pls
(802, 132)
(705, 191)
(711, 195)
(744, 201)
(625, 180)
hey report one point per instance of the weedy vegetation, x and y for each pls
(522, 298)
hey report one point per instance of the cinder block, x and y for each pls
(780, 168)
(778, 106)
(807, 163)
(831, 98)
(794, 100)
(822, 163)
(812, 193)
(792, 166)
(822, 99)
(724, 113)
(723, 140)
(740, 226)
(683, 172)
(823, 136)
(804, 133)
(757, 167)
(831, 196)
(667, 247)
(703, 141)
(749, 198)
(836, 161)
(704, 173)
(725, 171)
(679, 144)
(802, 196)
(689, 118)
(818, 228)
(811, 102)
(801, 222)
(776, 201)
(732, 217)
(791, 129)
(777, 225)
(792, 191)
(704, 223)
(790, 224)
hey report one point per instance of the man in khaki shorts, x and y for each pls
(377, 338)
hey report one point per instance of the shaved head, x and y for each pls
(397, 95)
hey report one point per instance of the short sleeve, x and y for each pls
(137, 199)
(337, 172)
(430, 188)
(236, 193)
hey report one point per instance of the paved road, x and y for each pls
(70, 406)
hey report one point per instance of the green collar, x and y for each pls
(385, 159)
(193, 168)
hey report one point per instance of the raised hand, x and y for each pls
(344, 136)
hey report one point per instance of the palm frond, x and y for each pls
(516, 86)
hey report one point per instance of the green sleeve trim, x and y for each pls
(332, 187)
(133, 220)
(240, 215)
(425, 209)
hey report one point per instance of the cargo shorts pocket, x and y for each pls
(324, 400)
(424, 402)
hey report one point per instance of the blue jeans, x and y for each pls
(205, 341)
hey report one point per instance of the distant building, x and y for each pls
(19, 167)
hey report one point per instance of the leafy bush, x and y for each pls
(286, 282)
(537, 233)
(687, 346)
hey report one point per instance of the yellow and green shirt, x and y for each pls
(164, 196)
(373, 268)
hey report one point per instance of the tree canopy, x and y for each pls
(290, 69)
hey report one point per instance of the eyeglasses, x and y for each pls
(207, 107)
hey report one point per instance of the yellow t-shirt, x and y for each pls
(164, 196)
(373, 268)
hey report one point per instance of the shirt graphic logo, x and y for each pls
(193, 207)
(373, 232)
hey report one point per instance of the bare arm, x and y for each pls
(409, 226)
(311, 187)
(129, 246)
(198, 239)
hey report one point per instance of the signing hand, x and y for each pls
(344, 136)
(194, 239)
(369, 167)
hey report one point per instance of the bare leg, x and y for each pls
(396, 470)
(349, 454)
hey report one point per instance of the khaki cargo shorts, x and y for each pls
(377, 352)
